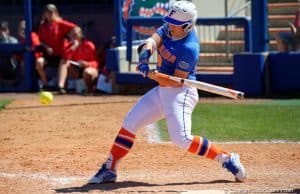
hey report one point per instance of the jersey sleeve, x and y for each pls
(187, 61)
(36, 43)
(161, 31)
(35, 39)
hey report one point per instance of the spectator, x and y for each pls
(52, 33)
(8, 64)
(101, 53)
(104, 82)
(290, 41)
(35, 43)
(80, 60)
(34, 37)
(5, 34)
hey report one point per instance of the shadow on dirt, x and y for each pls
(131, 184)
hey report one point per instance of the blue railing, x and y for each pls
(154, 21)
(28, 83)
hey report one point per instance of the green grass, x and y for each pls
(273, 120)
(4, 102)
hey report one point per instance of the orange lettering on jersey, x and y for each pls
(166, 55)
(159, 61)
(161, 48)
(172, 59)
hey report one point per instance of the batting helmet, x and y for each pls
(182, 13)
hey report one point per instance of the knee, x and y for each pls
(39, 64)
(86, 75)
(90, 73)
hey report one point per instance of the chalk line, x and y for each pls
(45, 177)
(247, 142)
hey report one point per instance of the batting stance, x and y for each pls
(178, 49)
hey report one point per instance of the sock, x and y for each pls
(120, 148)
(204, 147)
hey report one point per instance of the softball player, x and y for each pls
(178, 49)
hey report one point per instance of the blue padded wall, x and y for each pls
(284, 71)
(249, 73)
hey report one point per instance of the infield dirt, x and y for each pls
(56, 148)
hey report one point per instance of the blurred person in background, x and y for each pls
(79, 61)
(290, 41)
(8, 63)
(52, 32)
(5, 36)
(35, 43)
(101, 54)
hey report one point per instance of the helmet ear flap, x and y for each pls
(186, 27)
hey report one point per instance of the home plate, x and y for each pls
(204, 192)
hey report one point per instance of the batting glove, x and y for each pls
(143, 68)
(144, 56)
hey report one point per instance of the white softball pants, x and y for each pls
(174, 104)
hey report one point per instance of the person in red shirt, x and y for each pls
(52, 33)
(79, 60)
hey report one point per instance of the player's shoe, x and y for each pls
(104, 175)
(62, 91)
(234, 166)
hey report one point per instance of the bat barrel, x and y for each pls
(240, 95)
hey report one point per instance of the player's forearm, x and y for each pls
(151, 43)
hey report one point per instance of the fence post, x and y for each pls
(248, 36)
(118, 21)
(259, 14)
(28, 56)
(129, 41)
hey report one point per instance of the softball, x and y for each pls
(45, 97)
